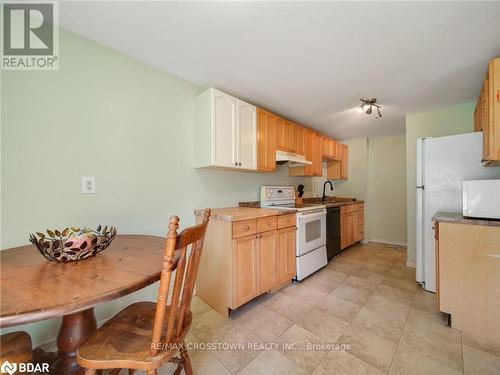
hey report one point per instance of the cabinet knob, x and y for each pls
(236, 163)
(246, 227)
(239, 164)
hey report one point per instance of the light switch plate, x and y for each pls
(88, 185)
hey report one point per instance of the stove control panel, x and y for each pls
(276, 195)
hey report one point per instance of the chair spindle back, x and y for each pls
(186, 269)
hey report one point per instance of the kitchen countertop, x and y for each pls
(331, 202)
(243, 213)
(458, 218)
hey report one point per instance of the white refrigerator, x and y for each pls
(442, 164)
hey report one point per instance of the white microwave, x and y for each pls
(481, 198)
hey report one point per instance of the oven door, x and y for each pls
(311, 231)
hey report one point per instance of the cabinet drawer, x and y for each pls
(244, 228)
(348, 209)
(266, 223)
(285, 221)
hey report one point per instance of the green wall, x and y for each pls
(129, 125)
(387, 192)
(447, 121)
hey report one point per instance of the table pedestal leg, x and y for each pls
(75, 328)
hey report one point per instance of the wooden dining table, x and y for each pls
(33, 289)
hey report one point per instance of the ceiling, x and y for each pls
(310, 62)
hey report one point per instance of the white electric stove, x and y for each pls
(311, 227)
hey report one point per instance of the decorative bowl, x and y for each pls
(73, 243)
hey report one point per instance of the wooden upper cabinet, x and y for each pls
(313, 153)
(487, 114)
(284, 134)
(267, 130)
(344, 162)
(230, 133)
(330, 148)
(298, 139)
(337, 169)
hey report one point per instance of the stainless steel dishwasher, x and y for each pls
(333, 232)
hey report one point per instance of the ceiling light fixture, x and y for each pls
(370, 103)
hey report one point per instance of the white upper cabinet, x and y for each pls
(225, 131)
(246, 135)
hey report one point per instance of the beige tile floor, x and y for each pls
(366, 298)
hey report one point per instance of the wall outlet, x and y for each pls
(88, 185)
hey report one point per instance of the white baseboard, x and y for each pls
(388, 242)
(411, 263)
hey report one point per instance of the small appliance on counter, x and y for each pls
(481, 198)
(311, 227)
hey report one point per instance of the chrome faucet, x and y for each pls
(324, 186)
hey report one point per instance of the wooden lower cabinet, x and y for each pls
(245, 269)
(352, 227)
(246, 258)
(266, 261)
(286, 263)
(468, 277)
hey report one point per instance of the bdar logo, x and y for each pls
(8, 368)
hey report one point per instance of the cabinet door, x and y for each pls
(313, 153)
(345, 162)
(266, 141)
(309, 151)
(224, 130)
(280, 134)
(361, 222)
(266, 261)
(285, 263)
(354, 226)
(245, 269)
(317, 158)
(287, 135)
(495, 108)
(349, 229)
(246, 145)
(486, 119)
(298, 139)
(344, 231)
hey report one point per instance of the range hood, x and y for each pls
(293, 160)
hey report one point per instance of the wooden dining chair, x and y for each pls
(145, 335)
(15, 347)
